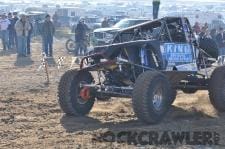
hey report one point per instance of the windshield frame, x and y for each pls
(125, 23)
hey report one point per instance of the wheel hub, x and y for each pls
(157, 99)
(85, 93)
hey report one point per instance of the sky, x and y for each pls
(203, 1)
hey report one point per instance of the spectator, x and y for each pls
(220, 39)
(47, 31)
(10, 30)
(29, 35)
(14, 41)
(213, 34)
(105, 23)
(203, 32)
(22, 27)
(197, 28)
(4, 25)
(155, 4)
(80, 38)
(206, 26)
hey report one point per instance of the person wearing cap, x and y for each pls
(48, 31)
(4, 24)
(22, 27)
(155, 4)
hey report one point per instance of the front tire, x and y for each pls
(217, 88)
(152, 96)
(69, 93)
(70, 45)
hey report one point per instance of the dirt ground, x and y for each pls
(30, 116)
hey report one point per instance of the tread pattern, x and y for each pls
(67, 93)
(142, 94)
(217, 88)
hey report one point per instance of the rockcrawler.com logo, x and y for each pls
(162, 138)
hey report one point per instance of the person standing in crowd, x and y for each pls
(220, 39)
(206, 25)
(197, 28)
(4, 25)
(22, 27)
(55, 19)
(213, 34)
(14, 41)
(10, 30)
(155, 4)
(48, 31)
(80, 38)
(203, 33)
(29, 35)
(105, 23)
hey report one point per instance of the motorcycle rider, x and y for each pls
(81, 38)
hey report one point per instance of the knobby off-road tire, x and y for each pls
(150, 87)
(217, 88)
(69, 93)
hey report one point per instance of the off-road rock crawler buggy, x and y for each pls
(148, 63)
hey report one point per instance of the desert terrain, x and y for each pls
(30, 116)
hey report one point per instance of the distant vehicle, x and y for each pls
(102, 36)
(216, 24)
(68, 14)
(37, 18)
(93, 22)
(116, 18)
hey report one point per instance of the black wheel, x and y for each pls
(217, 88)
(189, 90)
(151, 96)
(70, 45)
(69, 93)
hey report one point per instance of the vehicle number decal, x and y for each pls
(177, 53)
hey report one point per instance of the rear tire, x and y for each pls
(152, 96)
(217, 88)
(68, 93)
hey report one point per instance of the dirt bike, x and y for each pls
(70, 43)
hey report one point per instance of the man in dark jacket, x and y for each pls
(14, 40)
(81, 38)
(105, 23)
(47, 31)
(220, 39)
